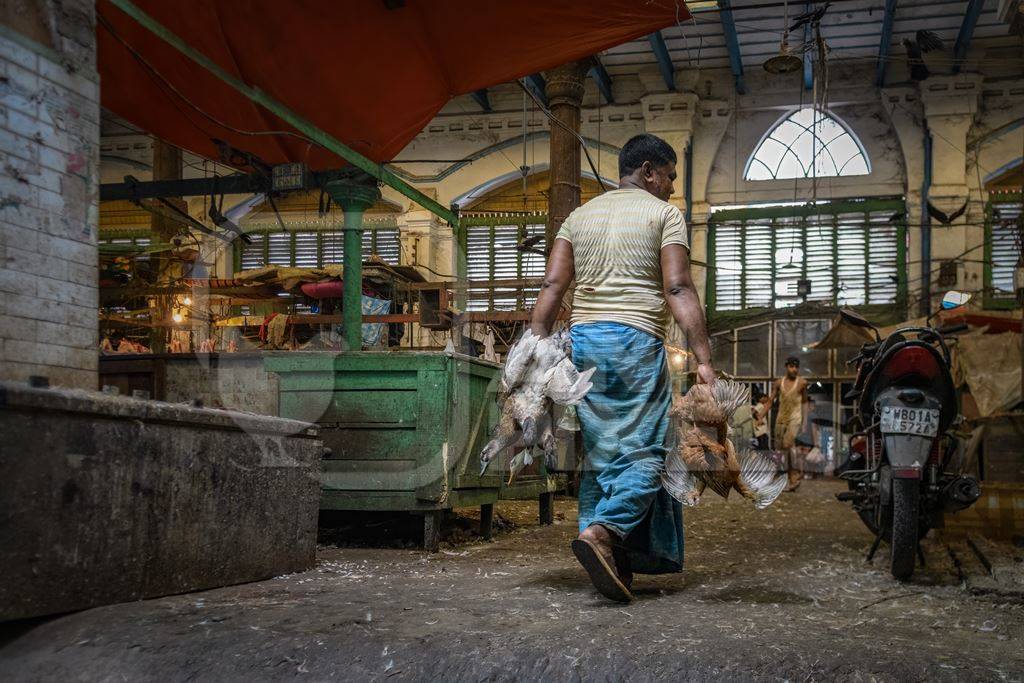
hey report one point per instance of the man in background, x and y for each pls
(791, 419)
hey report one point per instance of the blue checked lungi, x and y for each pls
(624, 420)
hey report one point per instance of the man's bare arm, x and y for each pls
(559, 275)
(685, 305)
(774, 392)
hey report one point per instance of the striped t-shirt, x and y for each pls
(616, 242)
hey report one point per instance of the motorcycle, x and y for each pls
(900, 478)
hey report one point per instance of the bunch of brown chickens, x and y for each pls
(704, 456)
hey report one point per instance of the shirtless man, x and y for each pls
(791, 392)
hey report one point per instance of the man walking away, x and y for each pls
(628, 252)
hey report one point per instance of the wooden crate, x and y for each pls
(999, 513)
(405, 429)
(1002, 456)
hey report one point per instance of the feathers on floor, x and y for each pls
(538, 375)
(704, 457)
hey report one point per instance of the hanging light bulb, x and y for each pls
(785, 62)
(177, 317)
(187, 301)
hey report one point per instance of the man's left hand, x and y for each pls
(706, 373)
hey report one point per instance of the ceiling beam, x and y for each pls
(963, 38)
(603, 80)
(885, 43)
(480, 97)
(235, 183)
(668, 71)
(732, 41)
(536, 84)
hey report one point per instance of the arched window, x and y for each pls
(807, 144)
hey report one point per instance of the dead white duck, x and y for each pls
(538, 374)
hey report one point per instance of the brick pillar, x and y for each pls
(565, 94)
(166, 166)
(49, 174)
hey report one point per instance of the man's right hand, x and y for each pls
(706, 374)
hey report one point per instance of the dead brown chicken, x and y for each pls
(704, 456)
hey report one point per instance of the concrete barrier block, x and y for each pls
(109, 499)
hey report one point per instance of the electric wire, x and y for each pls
(551, 118)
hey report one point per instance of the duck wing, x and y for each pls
(519, 359)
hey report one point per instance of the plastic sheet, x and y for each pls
(991, 366)
(370, 76)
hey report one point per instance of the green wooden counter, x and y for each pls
(404, 429)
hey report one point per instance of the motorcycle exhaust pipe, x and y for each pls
(961, 493)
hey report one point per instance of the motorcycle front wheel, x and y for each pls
(905, 528)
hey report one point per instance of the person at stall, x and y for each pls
(762, 406)
(791, 419)
(802, 449)
(741, 427)
(628, 252)
(819, 461)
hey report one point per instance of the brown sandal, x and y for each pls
(601, 574)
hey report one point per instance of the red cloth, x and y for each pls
(371, 77)
(265, 325)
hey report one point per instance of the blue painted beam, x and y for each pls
(603, 80)
(963, 38)
(668, 71)
(808, 64)
(732, 41)
(536, 84)
(480, 97)
(885, 43)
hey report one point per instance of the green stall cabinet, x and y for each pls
(404, 429)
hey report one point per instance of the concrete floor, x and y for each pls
(783, 594)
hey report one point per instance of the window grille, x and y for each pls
(1002, 249)
(852, 253)
(491, 245)
(313, 248)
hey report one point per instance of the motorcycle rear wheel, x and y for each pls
(905, 527)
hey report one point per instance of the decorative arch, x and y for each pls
(807, 143)
(1009, 176)
(494, 166)
(505, 192)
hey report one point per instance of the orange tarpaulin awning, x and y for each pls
(371, 76)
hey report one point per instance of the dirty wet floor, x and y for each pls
(783, 594)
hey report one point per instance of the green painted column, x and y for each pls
(354, 198)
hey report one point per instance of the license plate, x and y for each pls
(903, 420)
